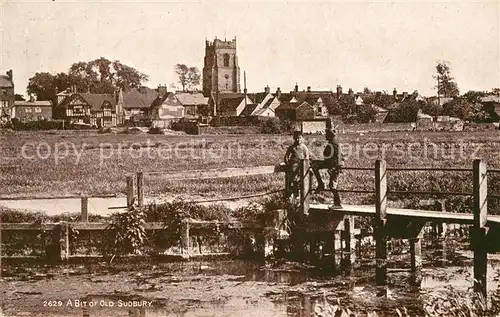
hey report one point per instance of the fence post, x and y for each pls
(305, 186)
(84, 210)
(379, 223)
(140, 189)
(66, 242)
(130, 191)
(185, 238)
(478, 237)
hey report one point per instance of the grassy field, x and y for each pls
(55, 163)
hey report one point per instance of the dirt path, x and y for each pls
(97, 206)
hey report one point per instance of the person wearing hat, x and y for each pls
(333, 163)
(294, 154)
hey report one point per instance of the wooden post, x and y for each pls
(479, 229)
(379, 223)
(349, 255)
(416, 259)
(84, 213)
(66, 242)
(305, 186)
(185, 243)
(328, 252)
(140, 189)
(288, 182)
(130, 191)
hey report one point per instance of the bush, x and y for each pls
(275, 126)
(190, 127)
(36, 125)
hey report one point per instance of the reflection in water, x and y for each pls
(286, 290)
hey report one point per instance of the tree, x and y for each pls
(100, 76)
(42, 85)
(19, 97)
(367, 91)
(473, 96)
(460, 108)
(406, 111)
(189, 77)
(104, 76)
(446, 86)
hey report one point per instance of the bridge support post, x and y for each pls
(379, 226)
(349, 255)
(305, 186)
(478, 236)
(328, 252)
(416, 259)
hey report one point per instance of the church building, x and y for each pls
(221, 73)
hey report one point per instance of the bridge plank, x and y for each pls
(361, 210)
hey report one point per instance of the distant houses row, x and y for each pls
(158, 107)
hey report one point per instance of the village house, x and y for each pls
(7, 96)
(232, 105)
(97, 110)
(32, 110)
(166, 109)
(134, 105)
(194, 103)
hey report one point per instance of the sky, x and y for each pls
(380, 45)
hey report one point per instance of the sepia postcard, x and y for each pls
(271, 158)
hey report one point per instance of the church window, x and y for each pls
(226, 60)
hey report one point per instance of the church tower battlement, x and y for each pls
(221, 73)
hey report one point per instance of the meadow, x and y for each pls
(56, 163)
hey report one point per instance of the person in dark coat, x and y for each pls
(333, 163)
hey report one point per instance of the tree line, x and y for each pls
(101, 76)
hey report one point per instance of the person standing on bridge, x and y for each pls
(295, 153)
(333, 162)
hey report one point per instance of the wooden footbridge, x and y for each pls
(322, 220)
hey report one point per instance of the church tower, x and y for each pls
(221, 73)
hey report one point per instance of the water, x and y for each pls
(218, 288)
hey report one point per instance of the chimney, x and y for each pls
(351, 92)
(339, 91)
(395, 93)
(162, 90)
(278, 93)
(245, 83)
(308, 88)
(296, 87)
(266, 89)
(9, 74)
